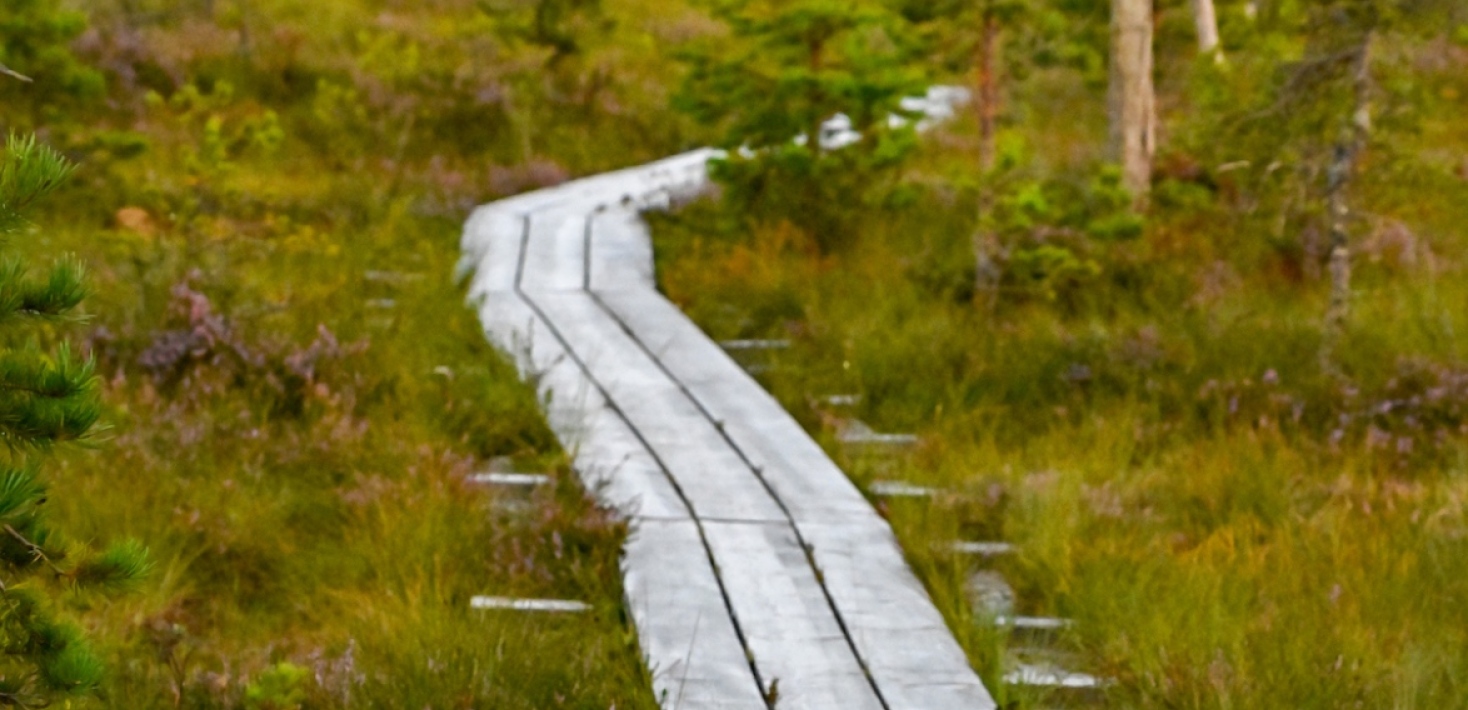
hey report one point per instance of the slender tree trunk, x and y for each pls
(247, 43)
(1207, 22)
(987, 271)
(988, 89)
(1131, 96)
(1343, 165)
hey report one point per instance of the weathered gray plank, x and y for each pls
(621, 253)
(519, 331)
(982, 548)
(1047, 676)
(562, 606)
(714, 480)
(606, 454)
(615, 466)
(901, 489)
(490, 226)
(492, 249)
(894, 625)
(801, 474)
(787, 622)
(906, 645)
(555, 256)
(511, 480)
(683, 625)
(672, 590)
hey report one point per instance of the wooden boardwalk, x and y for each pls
(756, 574)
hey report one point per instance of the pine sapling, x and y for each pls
(46, 398)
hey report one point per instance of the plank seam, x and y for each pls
(758, 472)
(682, 496)
(586, 251)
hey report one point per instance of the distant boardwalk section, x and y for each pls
(755, 570)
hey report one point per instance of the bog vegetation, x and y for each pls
(290, 393)
(1240, 468)
(1220, 412)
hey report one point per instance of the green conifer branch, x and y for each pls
(45, 398)
(29, 171)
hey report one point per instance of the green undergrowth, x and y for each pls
(1229, 521)
(304, 494)
(269, 198)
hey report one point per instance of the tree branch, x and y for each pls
(34, 549)
(13, 73)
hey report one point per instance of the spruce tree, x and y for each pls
(769, 85)
(47, 396)
(788, 66)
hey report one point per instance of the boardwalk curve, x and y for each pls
(756, 574)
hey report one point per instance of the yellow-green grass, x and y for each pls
(299, 479)
(294, 390)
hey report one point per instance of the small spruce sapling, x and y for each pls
(45, 399)
(767, 87)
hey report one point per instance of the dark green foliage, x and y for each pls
(44, 399)
(820, 194)
(790, 66)
(766, 90)
(29, 173)
(560, 26)
(35, 38)
(1038, 34)
(1053, 232)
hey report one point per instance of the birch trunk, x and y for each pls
(1206, 21)
(1132, 101)
(1343, 165)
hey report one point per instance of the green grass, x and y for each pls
(297, 471)
(305, 501)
